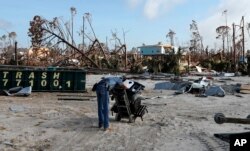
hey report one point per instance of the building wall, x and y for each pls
(151, 50)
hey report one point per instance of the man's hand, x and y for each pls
(124, 87)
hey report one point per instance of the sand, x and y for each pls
(173, 122)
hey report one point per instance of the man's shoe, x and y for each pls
(100, 126)
(107, 129)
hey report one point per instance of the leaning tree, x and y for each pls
(55, 35)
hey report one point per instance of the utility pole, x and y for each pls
(243, 39)
(83, 32)
(72, 29)
(234, 48)
(73, 12)
(16, 57)
(223, 45)
(125, 57)
(225, 12)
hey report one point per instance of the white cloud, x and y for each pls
(4, 24)
(153, 8)
(235, 10)
(134, 3)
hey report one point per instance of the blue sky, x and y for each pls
(144, 21)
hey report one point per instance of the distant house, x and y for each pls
(161, 52)
(156, 50)
(241, 59)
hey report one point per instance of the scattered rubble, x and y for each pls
(203, 87)
(17, 108)
(18, 91)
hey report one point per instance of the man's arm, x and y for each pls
(123, 86)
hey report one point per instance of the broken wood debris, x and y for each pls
(154, 104)
(75, 97)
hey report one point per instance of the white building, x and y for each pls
(160, 49)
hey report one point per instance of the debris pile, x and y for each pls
(203, 87)
(18, 91)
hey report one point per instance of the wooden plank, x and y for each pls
(245, 91)
(75, 95)
(245, 87)
(73, 99)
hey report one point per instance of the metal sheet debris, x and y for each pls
(18, 91)
(215, 91)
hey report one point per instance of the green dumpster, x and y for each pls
(44, 79)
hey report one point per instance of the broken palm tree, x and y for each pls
(54, 35)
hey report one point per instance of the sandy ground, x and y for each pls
(173, 122)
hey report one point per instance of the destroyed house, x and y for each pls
(160, 49)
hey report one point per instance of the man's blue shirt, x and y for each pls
(113, 81)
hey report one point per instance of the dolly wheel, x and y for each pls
(118, 117)
(219, 118)
(131, 119)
